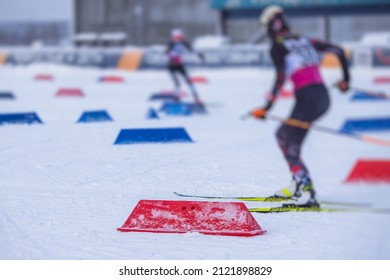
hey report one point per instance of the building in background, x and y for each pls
(146, 22)
(336, 20)
(24, 22)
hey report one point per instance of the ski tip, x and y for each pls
(180, 194)
(319, 209)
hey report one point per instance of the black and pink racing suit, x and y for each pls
(296, 57)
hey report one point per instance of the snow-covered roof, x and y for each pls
(114, 36)
(85, 37)
(376, 39)
(210, 41)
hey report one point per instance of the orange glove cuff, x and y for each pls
(259, 113)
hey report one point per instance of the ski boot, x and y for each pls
(301, 191)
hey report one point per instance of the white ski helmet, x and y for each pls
(176, 33)
(268, 13)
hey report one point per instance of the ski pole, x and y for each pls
(307, 125)
(246, 116)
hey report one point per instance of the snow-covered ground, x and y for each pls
(65, 188)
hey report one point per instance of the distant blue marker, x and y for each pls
(182, 109)
(176, 108)
(152, 135)
(152, 114)
(95, 116)
(6, 95)
(360, 125)
(19, 118)
(364, 96)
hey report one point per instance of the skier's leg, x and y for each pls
(311, 103)
(190, 84)
(309, 107)
(292, 149)
(175, 78)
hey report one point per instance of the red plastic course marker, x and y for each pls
(112, 79)
(43, 77)
(199, 80)
(373, 171)
(382, 80)
(171, 216)
(285, 94)
(70, 92)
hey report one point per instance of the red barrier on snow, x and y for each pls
(216, 218)
(286, 94)
(283, 94)
(382, 80)
(374, 171)
(69, 92)
(43, 77)
(199, 80)
(112, 79)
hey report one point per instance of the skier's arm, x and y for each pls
(277, 55)
(189, 48)
(169, 48)
(339, 52)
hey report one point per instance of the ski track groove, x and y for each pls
(30, 242)
(48, 174)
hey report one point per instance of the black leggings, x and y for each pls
(311, 103)
(179, 68)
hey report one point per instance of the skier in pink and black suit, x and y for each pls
(295, 57)
(175, 51)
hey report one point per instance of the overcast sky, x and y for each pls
(35, 10)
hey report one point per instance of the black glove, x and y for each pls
(343, 86)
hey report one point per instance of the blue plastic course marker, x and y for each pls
(19, 118)
(152, 135)
(176, 109)
(363, 96)
(152, 114)
(182, 109)
(6, 95)
(360, 125)
(95, 116)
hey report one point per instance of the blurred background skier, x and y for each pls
(177, 47)
(296, 57)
